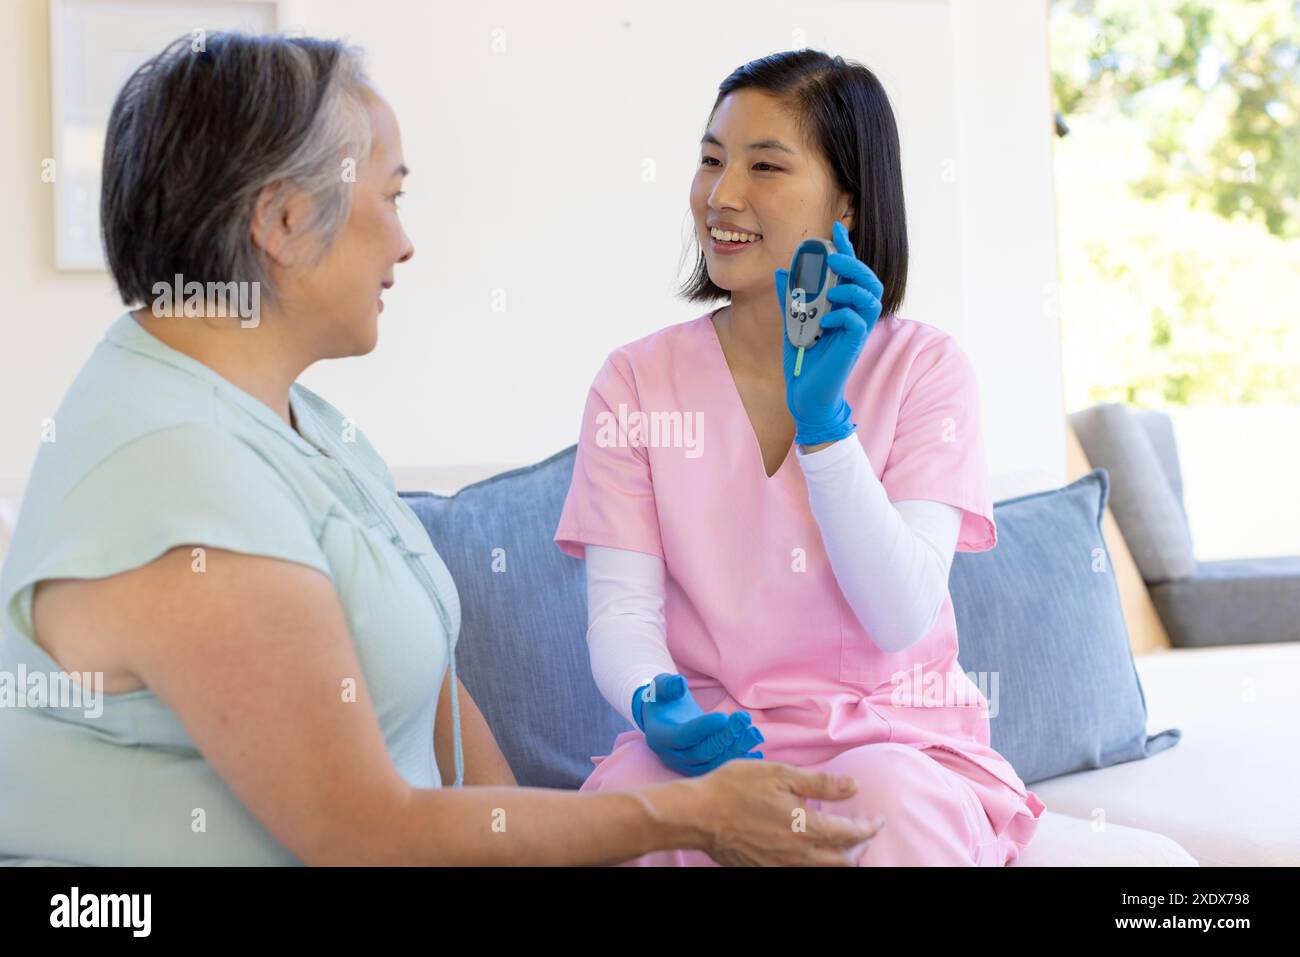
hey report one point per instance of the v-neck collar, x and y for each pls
(757, 447)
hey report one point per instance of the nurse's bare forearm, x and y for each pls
(485, 765)
(539, 827)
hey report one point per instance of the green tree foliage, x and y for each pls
(1179, 199)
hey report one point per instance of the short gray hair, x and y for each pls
(196, 135)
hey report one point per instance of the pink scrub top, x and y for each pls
(755, 618)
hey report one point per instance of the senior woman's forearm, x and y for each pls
(487, 827)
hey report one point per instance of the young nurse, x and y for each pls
(786, 584)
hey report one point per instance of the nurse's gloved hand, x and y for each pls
(685, 738)
(816, 396)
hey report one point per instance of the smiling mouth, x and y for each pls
(726, 237)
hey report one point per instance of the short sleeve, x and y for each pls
(185, 485)
(938, 448)
(611, 499)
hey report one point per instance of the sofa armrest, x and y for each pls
(1239, 602)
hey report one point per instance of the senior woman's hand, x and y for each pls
(758, 815)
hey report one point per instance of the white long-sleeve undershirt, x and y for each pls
(891, 561)
(626, 635)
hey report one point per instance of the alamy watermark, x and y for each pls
(217, 300)
(129, 911)
(53, 689)
(933, 689)
(660, 430)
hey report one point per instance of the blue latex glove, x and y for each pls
(686, 739)
(816, 396)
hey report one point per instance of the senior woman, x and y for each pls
(274, 629)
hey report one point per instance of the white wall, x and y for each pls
(1239, 467)
(588, 116)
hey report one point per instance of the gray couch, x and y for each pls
(1201, 604)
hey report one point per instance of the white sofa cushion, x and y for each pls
(1064, 841)
(1228, 792)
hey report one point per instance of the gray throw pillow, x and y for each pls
(1032, 610)
(1042, 612)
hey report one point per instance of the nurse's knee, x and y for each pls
(890, 777)
(927, 819)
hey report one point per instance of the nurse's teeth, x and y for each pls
(726, 236)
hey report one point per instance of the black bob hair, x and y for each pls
(843, 110)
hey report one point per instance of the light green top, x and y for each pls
(151, 449)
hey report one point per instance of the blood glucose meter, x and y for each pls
(810, 280)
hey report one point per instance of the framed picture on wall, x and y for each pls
(95, 45)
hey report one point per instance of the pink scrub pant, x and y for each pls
(933, 817)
